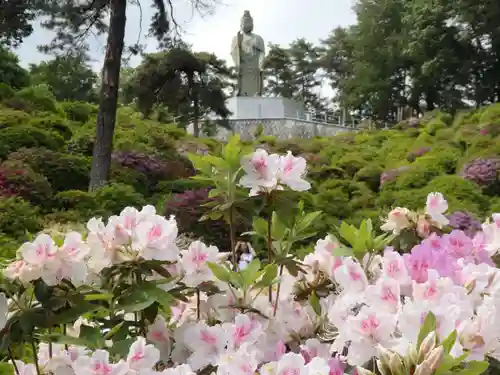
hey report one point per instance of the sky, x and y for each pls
(277, 21)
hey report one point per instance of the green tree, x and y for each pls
(72, 20)
(11, 73)
(278, 72)
(15, 20)
(306, 81)
(337, 58)
(190, 85)
(69, 76)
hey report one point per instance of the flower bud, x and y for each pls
(428, 344)
(435, 357)
(412, 357)
(423, 369)
(384, 354)
(396, 365)
(362, 371)
(383, 368)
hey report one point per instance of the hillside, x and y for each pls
(45, 150)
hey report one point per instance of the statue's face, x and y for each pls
(247, 25)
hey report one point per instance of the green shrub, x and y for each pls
(19, 179)
(434, 125)
(10, 117)
(14, 138)
(323, 173)
(128, 176)
(173, 131)
(442, 159)
(374, 215)
(53, 123)
(370, 175)
(81, 143)
(462, 195)
(178, 186)
(18, 217)
(64, 172)
(445, 134)
(267, 139)
(413, 199)
(351, 164)
(6, 92)
(494, 206)
(40, 96)
(78, 111)
(113, 198)
(413, 178)
(18, 104)
(340, 198)
(8, 249)
(75, 205)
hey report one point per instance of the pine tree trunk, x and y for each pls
(196, 106)
(105, 128)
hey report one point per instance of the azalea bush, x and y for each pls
(126, 297)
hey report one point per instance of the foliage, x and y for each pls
(78, 111)
(14, 138)
(19, 179)
(63, 171)
(39, 96)
(70, 77)
(188, 208)
(18, 218)
(11, 73)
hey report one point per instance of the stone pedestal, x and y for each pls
(264, 108)
(278, 117)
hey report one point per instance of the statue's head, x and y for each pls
(246, 22)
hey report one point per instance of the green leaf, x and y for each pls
(475, 367)
(214, 215)
(268, 278)
(428, 326)
(200, 163)
(251, 272)
(122, 347)
(307, 221)
(220, 272)
(278, 229)
(113, 330)
(448, 342)
(98, 297)
(217, 162)
(92, 335)
(232, 150)
(348, 233)
(314, 301)
(157, 294)
(342, 252)
(260, 226)
(68, 340)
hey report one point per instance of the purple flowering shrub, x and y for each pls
(18, 179)
(465, 222)
(482, 171)
(154, 167)
(390, 175)
(188, 208)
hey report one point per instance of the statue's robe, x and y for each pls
(247, 51)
